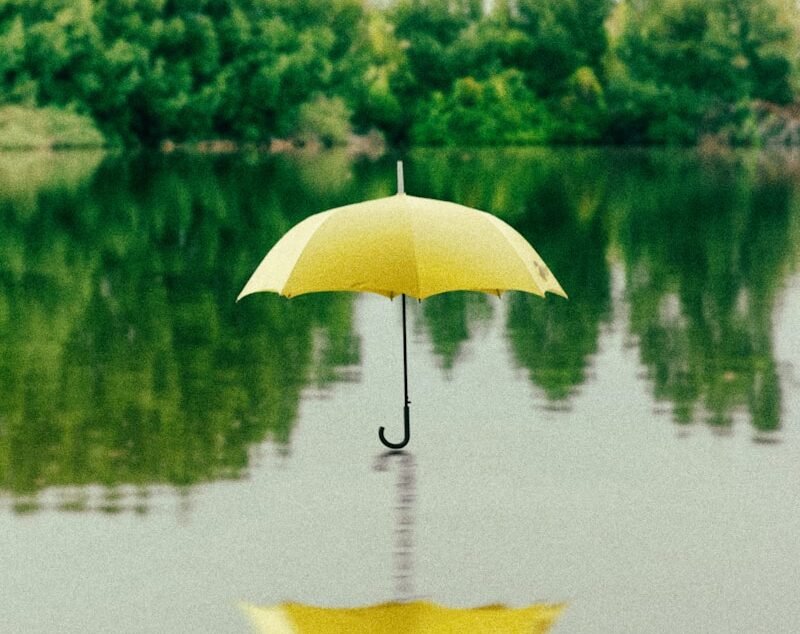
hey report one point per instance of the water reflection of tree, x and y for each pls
(450, 320)
(564, 218)
(123, 358)
(556, 204)
(706, 245)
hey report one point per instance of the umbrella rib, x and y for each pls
(495, 223)
(264, 278)
(304, 250)
(413, 251)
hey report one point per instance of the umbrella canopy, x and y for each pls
(402, 618)
(402, 245)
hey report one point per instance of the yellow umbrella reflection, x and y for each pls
(403, 615)
(402, 618)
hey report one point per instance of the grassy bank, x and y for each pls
(27, 128)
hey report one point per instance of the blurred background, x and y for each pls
(630, 453)
(421, 72)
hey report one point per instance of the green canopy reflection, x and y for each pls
(122, 362)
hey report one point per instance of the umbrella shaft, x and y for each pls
(405, 354)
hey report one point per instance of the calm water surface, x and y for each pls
(633, 452)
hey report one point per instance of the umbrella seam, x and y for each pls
(280, 288)
(494, 221)
(418, 292)
(304, 250)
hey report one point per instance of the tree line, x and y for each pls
(423, 72)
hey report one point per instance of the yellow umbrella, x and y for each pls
(402, 245)
(395, 618)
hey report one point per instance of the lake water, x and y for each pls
(166, 453)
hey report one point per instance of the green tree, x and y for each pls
(369, 74)
(428, 28)
(324, 119)
(686, 68)
(498, 111)
(564, 36)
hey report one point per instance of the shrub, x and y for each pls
(498, 111)
(23, 127)
(326, 119)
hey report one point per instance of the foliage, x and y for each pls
(122, 273)
(683, 68)
(702, 286)
(498, 111)
(324, 119)
(23, 127)
(576, 71)
(123, 358)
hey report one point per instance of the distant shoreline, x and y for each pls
(371, 145)
(25, 128)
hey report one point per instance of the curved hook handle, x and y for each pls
(406, 438)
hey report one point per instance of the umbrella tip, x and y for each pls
(400, 184)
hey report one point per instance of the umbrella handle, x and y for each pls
(406, 415)
(406, 438)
